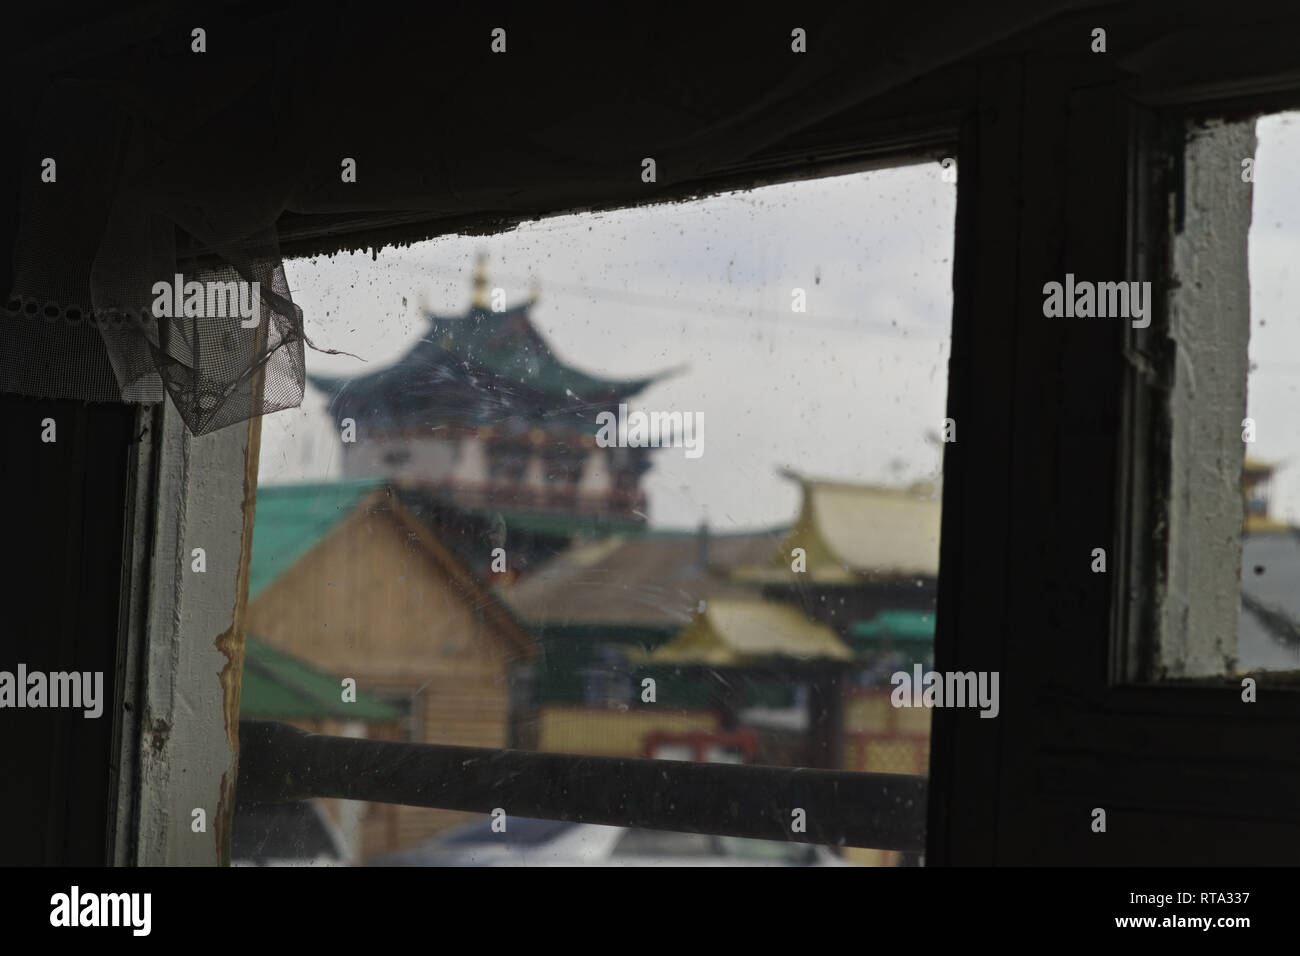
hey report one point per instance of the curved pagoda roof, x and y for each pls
(851, 533)
(748, 631)
(481, 368)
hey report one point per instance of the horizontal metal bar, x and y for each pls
(279, 763)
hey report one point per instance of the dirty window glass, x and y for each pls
(660, 483)
(1225, 600)
(1269, 631)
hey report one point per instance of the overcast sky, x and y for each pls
(847, 390)
(1273, 397)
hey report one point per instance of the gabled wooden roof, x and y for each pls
(293, 520)
(654, 580)
(471, 589)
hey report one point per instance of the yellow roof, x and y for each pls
(849, 531)
(1258, 524)
(738, 631)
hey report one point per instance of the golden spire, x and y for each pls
(480, 299)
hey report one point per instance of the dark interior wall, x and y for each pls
(64, 534)
(1053, 165)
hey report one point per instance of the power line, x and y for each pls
(694, 308)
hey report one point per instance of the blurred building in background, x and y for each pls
(346, 581)
(482, 412)
(1256, 488)
(493, 569)
(276, 685)
(1268, 632)
(773, 647)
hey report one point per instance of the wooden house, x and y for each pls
(345, 577)
(280, 686)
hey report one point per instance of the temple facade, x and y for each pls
(483, 413)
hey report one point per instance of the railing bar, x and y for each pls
(279, 763)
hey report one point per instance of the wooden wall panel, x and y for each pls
(613, 733)
(367, 602)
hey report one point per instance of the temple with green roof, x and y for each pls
(482, 410)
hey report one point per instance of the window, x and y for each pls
(293, 833)
(713, 436)
(1268, 636)
(1226, 523)
(481, 564)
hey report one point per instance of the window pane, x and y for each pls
(1227, 602)
(663, 482)
(1269, 634)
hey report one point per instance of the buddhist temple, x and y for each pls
(1256, 483)
(482, 411)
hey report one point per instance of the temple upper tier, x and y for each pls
(483, 408)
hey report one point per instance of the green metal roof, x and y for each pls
(290, 519)
(483, 368)
(279, 686)
(508, 344)
(897, 625)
